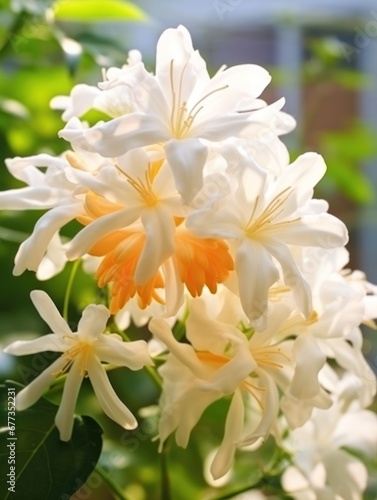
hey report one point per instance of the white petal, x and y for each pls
(65, 413)
(174, 288)
(256, 274)
(25, 169)
(219, 128)
(319, 230)
(32, 392)
(232, 436)
(303, 174)
(80, 101)
(54, 260)
(270, 413)
(178, 67)
(134, 355)
(117, 136)
(32, 250)
(109, 401)
(207, 334)
(245, 81)
(346, 475)
(309, 361)
(49, 313)
(160, 230)
(187, 158)
(35, 198)
(222, 220)
(292, 276)
(92, 233)
(183, 352)
(184, 413)
(93, 321)
(50, 342)
(227, 378)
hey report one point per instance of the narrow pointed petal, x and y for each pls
(32, 392)
(309, 361)
(25, 169)
(183, 414)
(191, 405)
(32, 250)
(232, 436)
(93, 321)
(178, 66)
(174, 289)
(134, 355)
(303, 174)
(116, 137)
(256, 274)
(49, 313)
(183, 352)
(320, 230)
(159, 245)
(78, 103)
(35, 198)
(227, 378)
(91, 234)
(187, 158)
(50, 342)
(65, 413)
(292, 276)
(207, 334)
(270, 413)
(229, 87)
(109, 401)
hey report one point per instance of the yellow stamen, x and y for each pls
(264, 356)
(144, 187)
(269, 214)
(182, 119)
(80, 351)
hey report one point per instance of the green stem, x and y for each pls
(115, 488)
(69, 288)
(165, 482)
(263, 482)
(154, 376)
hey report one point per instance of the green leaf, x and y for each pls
(44, 467)
(353, 80)
(97, 11)
(350, 181)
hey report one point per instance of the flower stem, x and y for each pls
(263, 482)
(69, 288)
(165, 482)
(115, 488)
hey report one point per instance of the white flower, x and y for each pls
(136, 189)
(48, 188)
(322, 468)
(182, 108)
(220, 361)
(82, 354)
(114, 101)
(265, 216)
(134, 218)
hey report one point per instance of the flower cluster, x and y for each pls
(189, 207)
